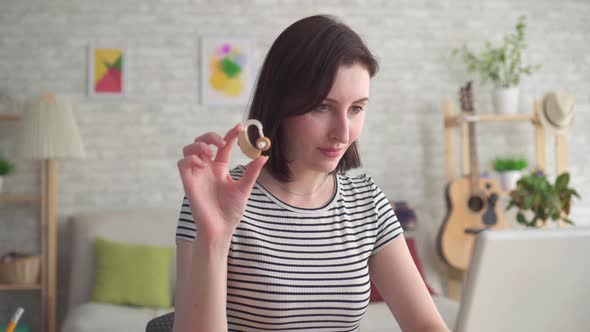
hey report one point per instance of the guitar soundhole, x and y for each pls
(475, 203)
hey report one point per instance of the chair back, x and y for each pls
(162, 323)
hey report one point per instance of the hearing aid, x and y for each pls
(262, 143)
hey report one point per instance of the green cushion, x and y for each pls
(132, 274)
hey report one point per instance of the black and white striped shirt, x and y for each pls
(296, 269)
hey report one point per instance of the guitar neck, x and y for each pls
(474, 171)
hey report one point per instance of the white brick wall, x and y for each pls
(133, 144)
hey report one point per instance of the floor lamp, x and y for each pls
(49, 132)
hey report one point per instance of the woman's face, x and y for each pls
(318, 139)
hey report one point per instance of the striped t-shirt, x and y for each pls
(298, 269)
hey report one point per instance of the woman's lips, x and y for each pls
(331, 153)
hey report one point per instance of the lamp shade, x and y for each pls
(49, 130)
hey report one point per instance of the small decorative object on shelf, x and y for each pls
(558, 112)
(510, 170)
(405, 215)
(535, 194)
(6, 168)
(19, 268)
(503, 66)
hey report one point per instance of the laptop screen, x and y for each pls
(528, 280)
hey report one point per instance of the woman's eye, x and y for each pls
(357, 109)
(321, 107)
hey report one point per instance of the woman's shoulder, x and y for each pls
(356, 182)
(355, 179)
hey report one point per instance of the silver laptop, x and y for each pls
(534, 280)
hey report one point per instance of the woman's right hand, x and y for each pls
(216, 200)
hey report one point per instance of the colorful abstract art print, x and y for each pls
(106, 71)
(226, 70)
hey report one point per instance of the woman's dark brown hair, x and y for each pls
(296, 77)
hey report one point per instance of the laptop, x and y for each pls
(534, 280)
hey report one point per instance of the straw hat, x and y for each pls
(557, 112)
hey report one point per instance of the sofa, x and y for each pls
(154, 226)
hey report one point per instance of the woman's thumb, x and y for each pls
(251, 173)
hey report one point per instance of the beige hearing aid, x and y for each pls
(262, 143)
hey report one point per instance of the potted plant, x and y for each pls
(510, 170)
(502, 65)
(537, 196)
(6, 167)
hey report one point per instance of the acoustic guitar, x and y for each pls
(472, 202)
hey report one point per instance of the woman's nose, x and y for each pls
(339, 127)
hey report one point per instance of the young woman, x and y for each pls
(290, 242)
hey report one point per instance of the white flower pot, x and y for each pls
(505, 100)
(508, 179)
(1, 183)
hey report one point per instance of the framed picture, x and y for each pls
(106, 71)
(226, 70)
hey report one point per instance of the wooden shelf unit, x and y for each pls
(453, 121)
(9, 116)
(19, 198)
(48, 229)
(9, 287)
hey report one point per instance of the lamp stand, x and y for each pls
(49, 244)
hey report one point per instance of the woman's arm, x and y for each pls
(184, 255)
(396, 277)
(201, 283)
(217, 204)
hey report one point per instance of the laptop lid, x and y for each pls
(528, 280)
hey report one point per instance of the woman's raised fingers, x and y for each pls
(198, 148)
(199, 160)
(211, 138)
(224, 153)
(186, 167)
(190, 162)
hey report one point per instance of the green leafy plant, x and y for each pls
(536, 194)
(6, 166)
(500, 64)
(510, 164)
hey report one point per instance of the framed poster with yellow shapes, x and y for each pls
(106, 71)
(226, 70)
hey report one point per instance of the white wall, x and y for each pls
(133, 144)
